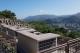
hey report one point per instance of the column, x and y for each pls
(56, 45)
(56, 42)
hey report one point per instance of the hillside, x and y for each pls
(40, 17)
(66, 21)
(61, 19)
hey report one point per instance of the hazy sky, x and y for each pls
(24, 8)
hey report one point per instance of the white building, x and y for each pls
(29, 40)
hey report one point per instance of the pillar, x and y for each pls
(56, 44)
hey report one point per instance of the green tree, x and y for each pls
(8, 14)
(46, 28)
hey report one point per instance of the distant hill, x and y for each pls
(70, 21)
(55, 19)
(40, 17)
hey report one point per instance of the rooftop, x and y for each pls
(15, 27)
(32, 33)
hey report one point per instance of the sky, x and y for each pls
(24, 8)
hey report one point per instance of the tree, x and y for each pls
(8, 14)
(45, 28)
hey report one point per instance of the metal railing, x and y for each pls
(71, 46)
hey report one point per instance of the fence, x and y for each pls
(71, 46)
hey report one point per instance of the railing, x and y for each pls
(71, 46)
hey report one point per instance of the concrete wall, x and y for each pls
(11, 32)
(3, 30)
(26, 44)
(7, 32)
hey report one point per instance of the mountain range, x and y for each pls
(53, 18)
(66, 20)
